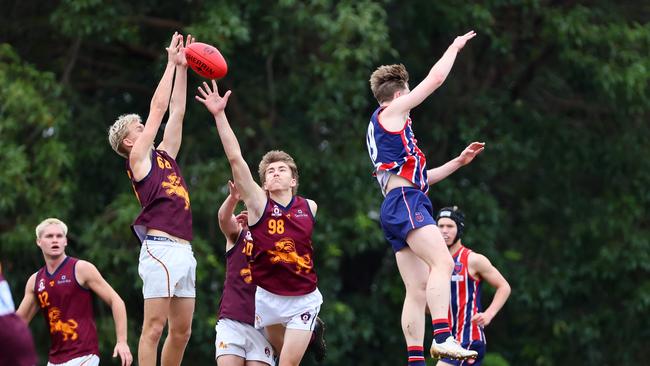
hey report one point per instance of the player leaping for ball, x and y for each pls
(164, 227)
(287, 300)
(406, 214)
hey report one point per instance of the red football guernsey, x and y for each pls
(164, 199)
(282, 249)
(68, 312)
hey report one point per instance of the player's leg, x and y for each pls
(414, 272)
(294, 346)
(180, 329)
(275, 335)
(231, 360)
(156, 311)
(427, 243)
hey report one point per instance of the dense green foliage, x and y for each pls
(560, 93)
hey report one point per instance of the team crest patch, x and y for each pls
(276, 211)
(52, 283)
(267, 351)
(458, 267)
(223, 345)
(41, 285)
(305, 317)
(419, 217)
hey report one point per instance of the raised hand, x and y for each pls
(234, 193)
(460, 41)
(211, 99)
(175, 46)
(470, 152)
(242, 218)
(179, 59)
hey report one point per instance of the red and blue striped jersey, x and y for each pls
(465, 300)
(396, 152)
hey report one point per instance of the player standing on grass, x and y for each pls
(62, 290)
(406, 213)
(466, 316)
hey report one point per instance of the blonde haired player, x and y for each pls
(164, 227)
(62, 291)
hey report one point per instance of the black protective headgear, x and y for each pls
(455, 215)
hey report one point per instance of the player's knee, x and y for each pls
(417, 291)
(180, 335)
(152, 331)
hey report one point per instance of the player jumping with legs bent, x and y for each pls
(406, 213)
(164, 227)
(287, 300)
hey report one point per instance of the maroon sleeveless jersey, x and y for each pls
(68, 312)
(164, 199)
(282, 251)
(16, 344)
(238, 298)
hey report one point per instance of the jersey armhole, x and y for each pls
(381, 125)
(74, 274)
(153, 152)
(239, 237)
(262, 216)
(469, 272)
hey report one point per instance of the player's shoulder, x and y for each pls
(478, 261)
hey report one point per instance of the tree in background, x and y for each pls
(559, 200)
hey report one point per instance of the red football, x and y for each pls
(206, 60)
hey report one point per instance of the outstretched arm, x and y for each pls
(491, 275)
(437, 75)
(173, 135)
(139, 158)
(251, 193)
(435, 175)
(28, 307)
(227, 221)
(89, 277)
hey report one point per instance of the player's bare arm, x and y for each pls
(28, 306)
(227, 221)
(139, 158)
(313, 206)
(394, 116)
(481, 267)
(89, 277)
(251, 193)
(173, 135)
(435, 175)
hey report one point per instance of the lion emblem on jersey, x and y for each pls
(67, 328)
(173, 186)
(246, 274)
(285, 251)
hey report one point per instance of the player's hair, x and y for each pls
(274, 156)
(118, 131)
(386, 80)
(50, 221)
